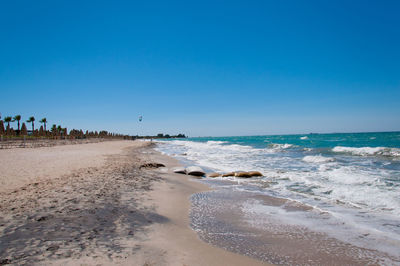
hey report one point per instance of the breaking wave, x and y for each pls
(368, 151)
(318, 159)
(276, 146)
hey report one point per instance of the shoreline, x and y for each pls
(242, 218)
(93, 204)
(172, 199)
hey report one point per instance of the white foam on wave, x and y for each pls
(304, 137)
(318, 159)
(354, 186)
(329, 183)
(368, 151)
(217, 155)
(351, 184)
(339, 226)
(285, 146)
(212, 142)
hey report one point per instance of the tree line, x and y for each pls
(55, 132)
(167, 136)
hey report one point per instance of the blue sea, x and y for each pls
(349, 183)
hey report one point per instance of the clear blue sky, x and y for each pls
(203, 68)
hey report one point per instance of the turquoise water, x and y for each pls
(321, 141)
(352, 178)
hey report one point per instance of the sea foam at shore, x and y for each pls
(350, 182)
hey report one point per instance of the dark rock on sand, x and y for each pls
(255, 173)
(195, 170)
(242, 174)
(179, 170)
(229, 174)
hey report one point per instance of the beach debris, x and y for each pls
(214, 175)
(179, 170)
(53, 248)
(195, 170)
(5, 261)
(152, 165)
(229, 174)
(255, 173)
(43, 218)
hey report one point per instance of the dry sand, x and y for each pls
(92, 204)
(23, 166)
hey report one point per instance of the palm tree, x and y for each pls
(32, 120)
(60, 129)
(54, 129)
(23, 131)
(17, 118)
(2, 130)
(44, 121)
(8, 119)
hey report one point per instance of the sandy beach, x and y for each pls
(92, 204)
(200, 133)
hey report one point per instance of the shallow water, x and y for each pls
(349, 184)
(237, 222)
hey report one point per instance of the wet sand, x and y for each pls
(93, 204)
(227, 218)
(175, 242)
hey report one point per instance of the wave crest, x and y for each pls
(285, 146)
(368, 151)
(318, 159)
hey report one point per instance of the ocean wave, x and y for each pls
(368, 151)
(216, 155)
(318, 176)
(212, 142)
(285, 146)
(318, 159)
(304, 137)
(209, 145)
(315, 172)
